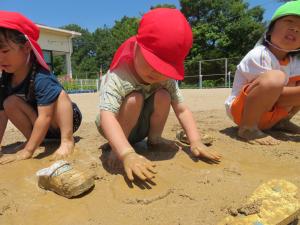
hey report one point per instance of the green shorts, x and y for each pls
(141, 129)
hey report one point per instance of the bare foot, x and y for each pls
(255, 136)
(287, 126)
(160, 142)
(65, 149)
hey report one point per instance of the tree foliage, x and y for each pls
(94, 50)
(220, 28)
(163, 6)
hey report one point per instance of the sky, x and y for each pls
(91, 14)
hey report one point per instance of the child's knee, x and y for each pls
(162, 96)
(273, 80)
(10, 103)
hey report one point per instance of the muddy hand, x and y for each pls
(138, 165)
(65, 150)
(203, 151)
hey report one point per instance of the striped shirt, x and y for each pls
(119, 83)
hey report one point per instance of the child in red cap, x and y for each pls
(138, 90)
(31, 97)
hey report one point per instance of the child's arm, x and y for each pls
(3, 124)
(39, 131)
(133, 163)
(40, 127)
(188, 123)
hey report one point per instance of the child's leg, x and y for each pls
(162, 103)
(21, 114)
(63, 119)
(262, 94)
(130, 111)
(290, 100)
(127, 117)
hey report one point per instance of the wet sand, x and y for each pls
(186, 191)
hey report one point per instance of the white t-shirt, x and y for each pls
(258, 61)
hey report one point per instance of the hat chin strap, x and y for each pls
(278, 48)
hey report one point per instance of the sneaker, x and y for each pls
(64, 180)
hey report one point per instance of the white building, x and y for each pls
(55, 41)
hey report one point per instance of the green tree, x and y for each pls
(91, 51)
(59, 65)
(83, 51)
(221, 29)
(124, 29)
(163, 6)
(105, 47)
(108, 40)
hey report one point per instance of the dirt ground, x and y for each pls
(186, 191)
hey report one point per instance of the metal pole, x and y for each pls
(201, 86)
(226, 61)
(97, 84)
(200, 76)
(229, 81)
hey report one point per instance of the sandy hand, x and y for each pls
(140, 166)
(64, 150)
(200, 150)
(20, 155)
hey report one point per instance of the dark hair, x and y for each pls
(14, 36)
(268, 35)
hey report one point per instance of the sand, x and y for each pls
(186, 191)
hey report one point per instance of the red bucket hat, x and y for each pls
(165, 38)
(17, 21)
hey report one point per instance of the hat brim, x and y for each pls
(124, 51)
(38, 53)
(172, 71)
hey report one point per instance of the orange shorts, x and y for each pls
(267, 119)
